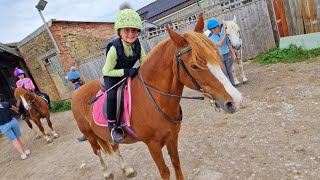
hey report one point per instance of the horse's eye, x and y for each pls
(193, 66)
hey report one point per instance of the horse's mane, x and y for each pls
(19, 91)
(203, 49)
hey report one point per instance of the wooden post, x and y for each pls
(283, 18)
(273, 22)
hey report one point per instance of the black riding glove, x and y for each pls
(130, 72)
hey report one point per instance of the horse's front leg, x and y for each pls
(156, 153)
(236, 81)
(172, 147)
(244, 79)
(38, 123)
(55, 135)
(128, 171)
(107, 174)
(30, 126)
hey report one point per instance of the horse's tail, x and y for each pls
(105, 146)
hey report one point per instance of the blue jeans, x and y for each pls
(227, 62)
(11, 129)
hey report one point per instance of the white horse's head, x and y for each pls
(233, 32)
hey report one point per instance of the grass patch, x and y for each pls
(60, 106)
(287, 55)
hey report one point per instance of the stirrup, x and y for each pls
(117, 135)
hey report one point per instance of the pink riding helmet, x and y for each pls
(17, 72)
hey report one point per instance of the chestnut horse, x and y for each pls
(190, 60)
(37, 108)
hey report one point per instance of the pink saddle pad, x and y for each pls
(97, 111)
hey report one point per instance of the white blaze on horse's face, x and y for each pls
(25, 104)
(232, 91)
(233, 32)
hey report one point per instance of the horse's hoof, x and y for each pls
(132, 174)
(56, 136)
(110, 177)
(49, 141)
(38, 136)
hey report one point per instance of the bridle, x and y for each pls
(195, 83)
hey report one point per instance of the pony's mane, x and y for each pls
(20, 91)
(203, 49)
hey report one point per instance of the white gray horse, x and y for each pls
(233, 32)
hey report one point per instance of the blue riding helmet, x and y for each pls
(73, 75)
(212, 24)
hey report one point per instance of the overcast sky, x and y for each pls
(19, 18)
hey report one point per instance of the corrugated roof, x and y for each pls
(9, 50)
(159, 7)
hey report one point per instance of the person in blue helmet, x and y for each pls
(222, 41)
(74, 77)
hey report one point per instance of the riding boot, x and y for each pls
(116, 132)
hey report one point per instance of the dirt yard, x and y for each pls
(275, 135)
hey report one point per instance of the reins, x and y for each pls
(195, 83)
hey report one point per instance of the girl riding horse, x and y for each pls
(122, 54)
(191, 60)
(28, 84)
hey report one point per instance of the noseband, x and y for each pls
(195, 83)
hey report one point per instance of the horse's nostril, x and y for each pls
(230, 107)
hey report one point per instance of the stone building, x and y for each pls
(76, 42)
(9, 59)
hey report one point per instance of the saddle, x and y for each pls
(123, 113)
(42, 96)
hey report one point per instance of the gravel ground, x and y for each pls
(275, 135)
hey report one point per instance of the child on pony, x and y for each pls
(28, 84)
(122, 54)
(74, 77)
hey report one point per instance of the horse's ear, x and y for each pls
(234, 19)
(177, 38)
(23, 86)
(200, 24)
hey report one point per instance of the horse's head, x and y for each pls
(202, 63)
(25, 96)
(233, 31)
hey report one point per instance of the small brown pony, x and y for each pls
(37, 108)
(190, 60)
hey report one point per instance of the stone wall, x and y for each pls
(76, 41)
(31, 53)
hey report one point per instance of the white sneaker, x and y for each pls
(27, 151)
(23, 156)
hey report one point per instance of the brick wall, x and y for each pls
(77, 41)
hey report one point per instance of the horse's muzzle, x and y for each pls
(230, 107)
(237, 47)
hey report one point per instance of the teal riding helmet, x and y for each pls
(212, 24)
